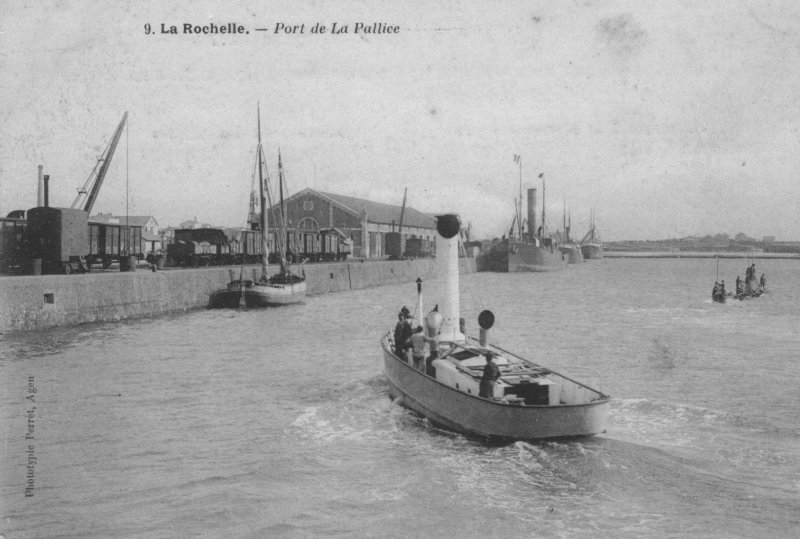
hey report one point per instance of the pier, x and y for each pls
(37, 302)
(700, 254)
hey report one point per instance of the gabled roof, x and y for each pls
(377, 212)
(132, 220)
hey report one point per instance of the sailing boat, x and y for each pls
(281, 289)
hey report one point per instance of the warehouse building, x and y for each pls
(363, 222)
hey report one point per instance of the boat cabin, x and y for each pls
(521, 382)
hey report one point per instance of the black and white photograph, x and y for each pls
(316, 268)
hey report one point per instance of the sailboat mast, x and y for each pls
(543, 206)
(263, 193)
(283, 212)
(519, 202)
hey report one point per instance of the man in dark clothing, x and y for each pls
(402, 331)
(491, 372)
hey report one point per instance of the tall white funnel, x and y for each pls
(448, 228)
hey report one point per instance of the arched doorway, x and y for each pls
(308, 232)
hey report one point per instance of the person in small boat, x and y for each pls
(762, 285)
(402, 331)
(417, 344)
(715, 290)
(722, 288)
(491, 372)
(739, 287)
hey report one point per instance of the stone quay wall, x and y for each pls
(37, 302)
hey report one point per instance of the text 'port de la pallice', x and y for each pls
(335, 28)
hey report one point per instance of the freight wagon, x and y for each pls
(214, 247)
(62, 240)
(193, 247)
(12, 253)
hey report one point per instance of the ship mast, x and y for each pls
(282, 231)
(543, 204)
(519, 202)
(263, 192)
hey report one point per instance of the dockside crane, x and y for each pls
(87, 194)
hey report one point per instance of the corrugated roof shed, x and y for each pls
(378, 212)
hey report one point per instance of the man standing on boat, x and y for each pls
(402, 332)
(491, 372)
(417, 344)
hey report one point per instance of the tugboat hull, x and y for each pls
(491, 420)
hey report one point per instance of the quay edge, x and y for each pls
(37, 302)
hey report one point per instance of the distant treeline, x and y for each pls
(702, 246)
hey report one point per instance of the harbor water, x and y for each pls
(278, 423)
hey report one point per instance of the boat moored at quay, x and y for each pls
(283, 288)
(454, 387)
(531, 251)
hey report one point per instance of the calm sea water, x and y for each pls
(277, 423)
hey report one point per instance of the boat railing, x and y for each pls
(528, 362)
(593, 376)
(596, 384)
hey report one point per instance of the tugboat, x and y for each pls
(479, 389)
(282, 289)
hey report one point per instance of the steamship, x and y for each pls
(526, 402)
(528, 251)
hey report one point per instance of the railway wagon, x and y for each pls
(194, 247)
(418, 248)
(109, 242)
(66, 242)
(12, 247)
(59, 237)
(325, 245)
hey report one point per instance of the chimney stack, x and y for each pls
(40, 191)
(46, 190)
(532, 212)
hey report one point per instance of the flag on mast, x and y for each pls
(541, 175)
(517, 158)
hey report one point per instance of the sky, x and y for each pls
(666, 119)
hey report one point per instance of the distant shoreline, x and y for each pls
(699, 254)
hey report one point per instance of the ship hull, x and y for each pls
(572, 253)
(257, 295)
(523, 256)
(592, 251)
(520, 257)
(484, 418)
